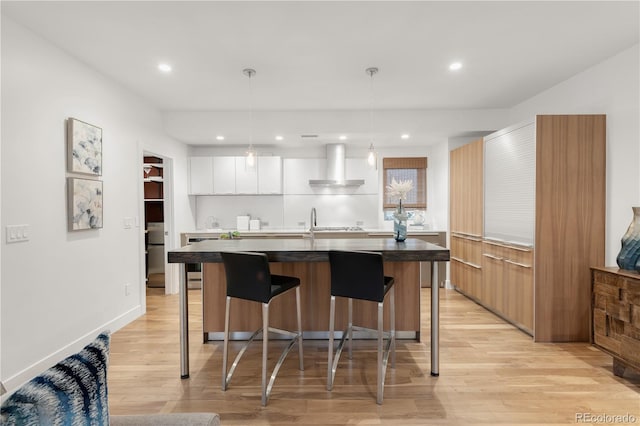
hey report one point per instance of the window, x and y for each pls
(407, 168)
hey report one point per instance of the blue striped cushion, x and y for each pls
(72, 392)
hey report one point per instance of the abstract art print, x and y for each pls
(85, 204)
(84, 146)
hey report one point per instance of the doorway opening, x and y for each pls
(154, 221)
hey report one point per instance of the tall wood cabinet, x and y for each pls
(543, 226)
(570, 222)
(466, 213)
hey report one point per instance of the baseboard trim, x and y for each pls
(14, 382)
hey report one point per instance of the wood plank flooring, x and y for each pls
(490, 373)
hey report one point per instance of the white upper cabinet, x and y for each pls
(200, 175)
(298, 171)
(230, 175)
(269, 175)
(246, 177)
(224, 175)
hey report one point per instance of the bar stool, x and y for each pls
(249, 278)
(359, 275)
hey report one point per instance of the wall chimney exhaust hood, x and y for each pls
(336, 165)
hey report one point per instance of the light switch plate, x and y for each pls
(17, 233)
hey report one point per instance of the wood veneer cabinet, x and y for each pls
(544, 289)
(508, 274)
(315, 290)
(616, 316)
(466, 217)
(570, 222)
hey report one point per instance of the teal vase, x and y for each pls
(400, 223)
(629, 256)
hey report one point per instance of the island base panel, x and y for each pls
(315, 298)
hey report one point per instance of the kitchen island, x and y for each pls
(308, 259)
(437, 237)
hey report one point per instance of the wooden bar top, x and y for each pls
(307, 250)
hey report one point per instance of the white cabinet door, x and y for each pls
(269, 175)
(224, 175)
(246, 177)
(200, 175)
(298, 171)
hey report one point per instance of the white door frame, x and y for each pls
(171, 272)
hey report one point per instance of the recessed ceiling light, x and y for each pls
(279, 138)
(405, 136)
(342, 137)
(219, 138)
(164, 67)
(455, 66)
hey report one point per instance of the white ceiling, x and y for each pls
(311, 56)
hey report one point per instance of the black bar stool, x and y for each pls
(249, 278)
(360, 275)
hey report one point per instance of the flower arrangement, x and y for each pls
(399, 189)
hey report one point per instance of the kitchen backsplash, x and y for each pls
(287, 211)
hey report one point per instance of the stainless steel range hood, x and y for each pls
(336, 165)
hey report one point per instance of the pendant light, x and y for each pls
(250, 160)
(372, 156)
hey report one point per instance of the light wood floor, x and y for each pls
(490, 373)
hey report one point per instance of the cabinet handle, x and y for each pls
(493, 243)
(473, 265)
(467, 237)
(522, 265)
(492, 256)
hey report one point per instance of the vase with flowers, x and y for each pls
(399, 189)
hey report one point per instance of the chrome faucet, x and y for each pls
(312, 221)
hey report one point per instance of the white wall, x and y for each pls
(613, 88)
(60, 288)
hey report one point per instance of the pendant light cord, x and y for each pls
(371, 71)
(250, 72)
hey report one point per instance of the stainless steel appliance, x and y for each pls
(155, 254)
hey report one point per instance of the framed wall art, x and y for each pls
(84, 148)
(85, 203)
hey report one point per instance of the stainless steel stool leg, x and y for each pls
(265, 346)
(225, 350)
(299, 329)
(380, 352)
(332, 311)
(392, 322)
(350, 328)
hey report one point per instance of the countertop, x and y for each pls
(307, 250)
(296, 231)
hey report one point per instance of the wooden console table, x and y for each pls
(615, 316)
